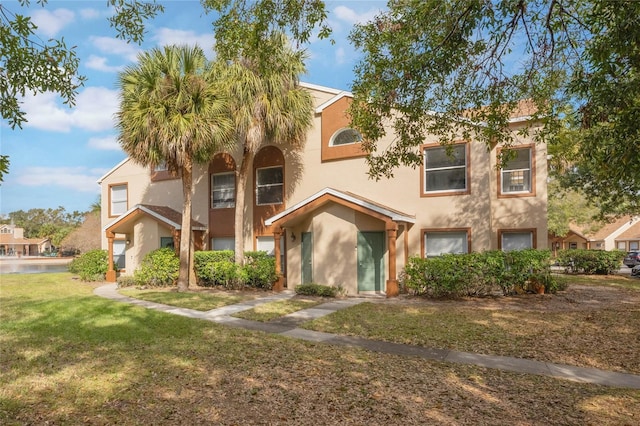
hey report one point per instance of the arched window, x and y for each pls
(345, 136)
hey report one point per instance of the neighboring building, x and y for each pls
(322, 217)
(13, 243)
(622, 233)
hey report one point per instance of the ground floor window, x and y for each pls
(516, 240)
(223, 243)
(622, 245)
(438, 242)
(166, 242)
(267, 243)
(119, 254)
(633, 245)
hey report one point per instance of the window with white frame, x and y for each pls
(445, 169)
(267, 243)
(437, 243)
(516, 240)
(269, 185)
(345, 136)
(223, 243)
(118, 197)
(223, 190)
(622, 245)
(119, 254)
(515, 176)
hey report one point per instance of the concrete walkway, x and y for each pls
(287, 326)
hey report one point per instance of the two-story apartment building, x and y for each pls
(321, 215)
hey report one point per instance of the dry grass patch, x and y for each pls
(198, 300)
(269, 311)
(585, 326)
(69, 357)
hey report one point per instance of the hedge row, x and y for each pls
(479, 274)
(217, 268)
(590, 262)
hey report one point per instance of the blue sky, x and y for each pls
(58, 156)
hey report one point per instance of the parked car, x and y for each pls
(632, 259)
(635, 272)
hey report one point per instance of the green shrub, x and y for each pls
(590, 262)
(217, 268)
(204, 264)
(475, 274)
(259, 270)
(126, 281)
(159, 268)
(90, 266)
(313, 289)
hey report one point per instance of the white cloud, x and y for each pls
(114, 46)
(50, 23)
(94, 111)
(168, 36)
(80, 178)
(340, 55)
(108, 143)
(88, 14)
(352, 17)
(99, 63)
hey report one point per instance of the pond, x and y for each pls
(31, 267)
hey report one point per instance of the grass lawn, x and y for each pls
(272, 310)
(552, 328)
(200, 301)
(69, 357)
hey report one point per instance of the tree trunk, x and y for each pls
(241, 186)
(185, 235)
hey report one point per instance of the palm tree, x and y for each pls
(267, 107)
(172, 111)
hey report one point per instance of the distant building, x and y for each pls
(13, 243)
(622, 233)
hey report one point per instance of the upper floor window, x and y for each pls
(117, 199)
(223, 190)
(161, 167)
(445, 242)
(270, 185)
(445, 169)
(515, 175)
(6, 230)
(345, 136)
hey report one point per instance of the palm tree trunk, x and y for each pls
(185, 235)
(243, 176)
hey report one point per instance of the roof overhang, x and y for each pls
(164, 215)
(327, 195)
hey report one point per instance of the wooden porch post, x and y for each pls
(111, 272)
(279, 284)
(392, 282)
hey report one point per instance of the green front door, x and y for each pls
(307, 257)
(370, 261)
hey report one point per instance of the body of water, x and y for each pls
(31, 267)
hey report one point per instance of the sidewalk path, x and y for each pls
(287, 326)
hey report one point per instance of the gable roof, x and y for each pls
(162, 214)
(633, 233)
(346, 198)
(611, 227)
(113, 169)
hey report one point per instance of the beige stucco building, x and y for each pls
(322, 216)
